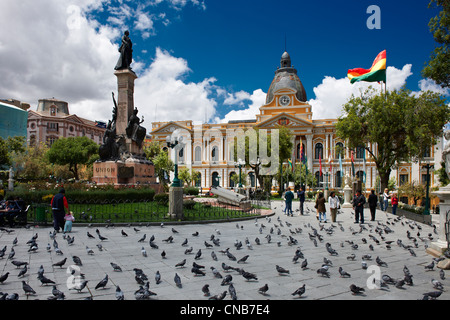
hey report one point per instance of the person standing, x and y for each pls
(320, 206)
(289, 196)
(373, 201)
(394, 203)
(69, 218)
(385, 199)
(334, 203)
(59, 206)
(301, 198)
(358, 205)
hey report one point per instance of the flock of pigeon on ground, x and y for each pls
(270, 230)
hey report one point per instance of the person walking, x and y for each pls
(335, 204)
(373, 201)
(358, 205)
(301, 198)
(289, 196)
(320, 206)
(59, 205)
(385, 199)
(394, 203)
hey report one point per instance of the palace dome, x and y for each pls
(286, 77)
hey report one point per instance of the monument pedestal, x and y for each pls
(347, 197)
(444, 204)
(124, 173)
(176, 203)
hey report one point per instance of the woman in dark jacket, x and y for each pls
(373, 201)
(320, 206)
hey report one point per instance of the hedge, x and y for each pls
(77, 196)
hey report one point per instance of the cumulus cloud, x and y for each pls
(332, 93)
(256, 100)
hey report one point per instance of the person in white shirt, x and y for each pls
(334, 203)
(385, 199)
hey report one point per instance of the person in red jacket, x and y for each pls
(59, 205)
(394, 203)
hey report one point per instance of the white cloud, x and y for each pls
(333, 93)
(431, 85)
(257, 99)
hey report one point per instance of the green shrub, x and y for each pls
(162, 198)
(193, 191)
(189, 204)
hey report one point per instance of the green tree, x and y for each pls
(9, 148)
(163, 165)
(402, 125)
(438, 68)
(72, 151)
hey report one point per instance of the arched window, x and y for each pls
(338, 180)
(360, 152)
(318, 151)
(215, 153)
(231, 182)
(339, 150)
(198, 154)
(215, 179)
(319, 179)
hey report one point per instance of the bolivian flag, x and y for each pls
(376, 73)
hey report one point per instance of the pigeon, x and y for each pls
(380, 262)
(442, 274)
(153, 245)
(433, 295)
(216, 273)
(44, 280)
(249, 276)
(263, 290)
(205, 290)
(430, 266)
(80, 286)
(437, 284)
(89, 251)
(116, 267)
(119, 294)
(219, 296)
(177, 280)
(197, 271)
(343, 273)
(185, 242)
(144, 252)
(102, 283)
(163, 254)
(198, 254)
(208, 245)
(18, 263)
(356, 290)
(174, 231)
(226, 267)
(399, 284)
(181, 264)
(213, 256)
(188, 251)
(281, 270)
(23, 271)
(169, 239)
(77, 260)
(351, 257)
(227, 280)
(27, 289)
(243, 259)
(230, 256)
(4, 277)
(60, 263)
(158, 277)
(90, 235)
(304, 265)
(232, 292)
(323, 272)
(12, 253)
(143, 238)
(299, 292)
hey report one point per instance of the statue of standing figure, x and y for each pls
(126, 53)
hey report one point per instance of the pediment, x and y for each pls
(170, 127)
(286, 120)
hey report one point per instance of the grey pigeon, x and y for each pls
(249, 276)
(177, 280)
(299, 292)
(232, 292)
(205, 290)
(44, 280)
(116, 267)
(197, 271)
(243, 259)
(281, 270)
(343, 273)
(433, 295)
(227, 280)
(219, 296)
(119, 294)
(102, 283)
(27, 289)
(181, 264)
(263, 290)
(60, 263)
(356, 290)
(158, 277)
(77, 260)
(4, 277)
(198, 254)
(23, 271)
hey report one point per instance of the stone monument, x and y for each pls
(442, 244)
(347, 192)
(122, 160)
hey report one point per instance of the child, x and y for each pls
(69, 218)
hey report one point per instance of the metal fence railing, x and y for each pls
(137, 211)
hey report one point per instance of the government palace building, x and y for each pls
(208, 148)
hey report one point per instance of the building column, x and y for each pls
(309, 151)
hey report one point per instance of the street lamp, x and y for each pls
(427, 195)
(172, 143)
(239, 164)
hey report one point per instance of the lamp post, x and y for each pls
(427, 195)
(239, 165)
(172, 144)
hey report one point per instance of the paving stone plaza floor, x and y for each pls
(125, 251)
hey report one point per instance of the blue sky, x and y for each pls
(205, 59)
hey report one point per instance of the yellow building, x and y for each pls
(208, 147)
